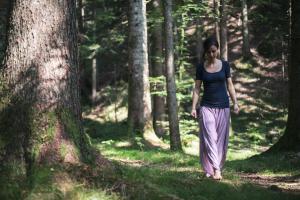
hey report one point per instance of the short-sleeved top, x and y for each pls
(214, 83)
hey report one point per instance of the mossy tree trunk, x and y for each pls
(175, 141)
(291, 139)
(40, 116)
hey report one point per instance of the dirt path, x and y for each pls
(290, 184)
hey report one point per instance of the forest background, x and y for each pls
(135, 72)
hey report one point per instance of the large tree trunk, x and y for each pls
(40, 116)
(139, 100)
(171, 86)
(158, 71)
(246, 45)
(4, 8)
(291, 139)
(223, 31)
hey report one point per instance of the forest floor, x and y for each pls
(162, 174)
(142, 173)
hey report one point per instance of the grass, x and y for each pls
(179, 176)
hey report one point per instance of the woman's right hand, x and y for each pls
(194, 113)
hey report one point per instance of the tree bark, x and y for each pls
(199, 47)
(223, 31)
(217, 14)
(246, 45)
(175, 141)
(139, 100)
(291, 139)
(40, 116)
(94, 60)
(158, 71)
(94, 80)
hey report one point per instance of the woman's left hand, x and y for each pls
(236, 108)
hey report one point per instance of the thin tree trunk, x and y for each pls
(223, 31)
(291, 139)
(94, 80)
(139, 100)
(158, 71)
(199, 47)
(40, 109)
(171, 86)
(217, 14)
(246, 45)
(94, 60)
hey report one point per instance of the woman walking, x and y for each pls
(214, 111)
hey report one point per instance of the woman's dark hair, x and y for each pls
(211, 41)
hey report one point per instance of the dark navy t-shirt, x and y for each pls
(214, 83)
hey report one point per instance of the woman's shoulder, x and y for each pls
(200, 65)
(224, 61)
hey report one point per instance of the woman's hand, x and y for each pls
(236, 108)
(194, 113)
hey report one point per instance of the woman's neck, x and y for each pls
(211, 61)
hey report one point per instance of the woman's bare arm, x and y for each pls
(195, 97)
(232, 94)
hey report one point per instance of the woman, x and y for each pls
(214, 111)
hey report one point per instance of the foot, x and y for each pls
(217, 175)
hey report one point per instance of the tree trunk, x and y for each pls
(246, 45)
(223, 31)
(291, 139)
(217, 14)
(158, 71)
(94, 80)
(4, 8)
(40, 116)
(171, 86)
(94, 59)
(80, 11)
(199, 47)
(139, 100)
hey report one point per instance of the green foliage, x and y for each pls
(158, 85)
(104, 38)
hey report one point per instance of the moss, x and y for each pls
(43, 128)
(63, 150)
(72, 128)
(81, 140)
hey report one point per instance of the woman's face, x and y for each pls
(212, 52)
